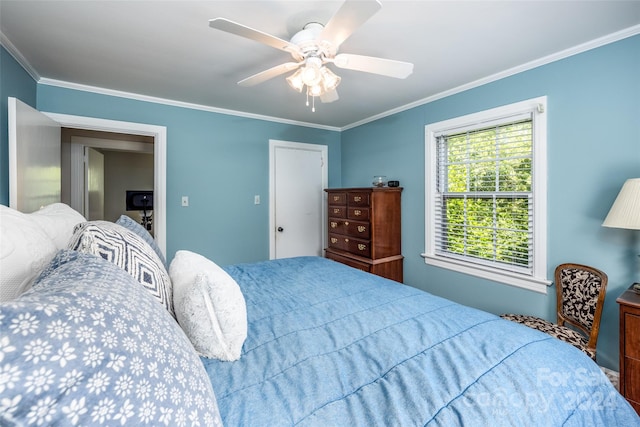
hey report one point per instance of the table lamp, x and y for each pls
(625, 212)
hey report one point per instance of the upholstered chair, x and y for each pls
(580, 293)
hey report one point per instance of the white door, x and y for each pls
(298, 175)
(34, 158)
(94, 190)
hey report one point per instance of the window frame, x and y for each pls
(536, 281)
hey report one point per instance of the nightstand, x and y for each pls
(630, 347)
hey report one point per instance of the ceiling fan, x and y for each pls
(315, 46)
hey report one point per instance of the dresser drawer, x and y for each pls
(361, 214)
(337, 199)
(350, 262)
(359, 247)
(350, 244)
(632, 379)
(358, 229)
(338, 241)
(632, 341)
(338, 211)
(359, 199)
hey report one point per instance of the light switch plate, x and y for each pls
(185, 201)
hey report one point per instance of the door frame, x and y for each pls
(273, 145)
(159, 134)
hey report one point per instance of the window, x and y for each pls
(486, 194)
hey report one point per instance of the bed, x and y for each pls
(331, 345)
(319, 344)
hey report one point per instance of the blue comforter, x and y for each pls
(329, 345)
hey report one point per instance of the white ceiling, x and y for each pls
(166, 49)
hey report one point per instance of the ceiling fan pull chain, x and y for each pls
(313, 104)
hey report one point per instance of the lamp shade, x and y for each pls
(295, 80)
(625, 212)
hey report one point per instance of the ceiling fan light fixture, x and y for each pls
(311, 71)
(295, 81)
(324, 81)
(316, 90)
(329, 79)
(310, 76)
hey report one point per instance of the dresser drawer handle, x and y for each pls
(346, 240)
(334, 240)
(357, 212)
(362, 246)
(357, 198)
(361, 228)
(336, 210)
(336, 198)
(334, 224)
(346, 223)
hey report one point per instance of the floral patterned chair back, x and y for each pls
(580, 298)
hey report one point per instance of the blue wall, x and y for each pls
(593, 147)
(15, 82)
(221, 161)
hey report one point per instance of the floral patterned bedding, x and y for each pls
(88, 345)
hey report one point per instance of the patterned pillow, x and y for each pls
(137, 228)
(85, 346)
(127, 250)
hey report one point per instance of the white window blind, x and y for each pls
(484, 200)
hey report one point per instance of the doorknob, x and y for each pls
(280, 229)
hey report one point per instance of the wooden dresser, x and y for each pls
(365, 229)
(630, 347)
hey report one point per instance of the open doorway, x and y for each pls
(159, 135)
(98, 168)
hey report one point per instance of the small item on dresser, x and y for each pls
(636, 288)
(379, 180)
(393, 183)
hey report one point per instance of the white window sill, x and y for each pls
(506, 277)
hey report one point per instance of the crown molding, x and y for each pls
(593, 44)
(171, 102)
(13, 51)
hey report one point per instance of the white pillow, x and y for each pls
(58, 221)
(209, 306)
(25, 250)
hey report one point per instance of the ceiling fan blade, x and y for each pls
(330, 96)
(370, 64)
(347, 19)
(265, 75)
(253, 34)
